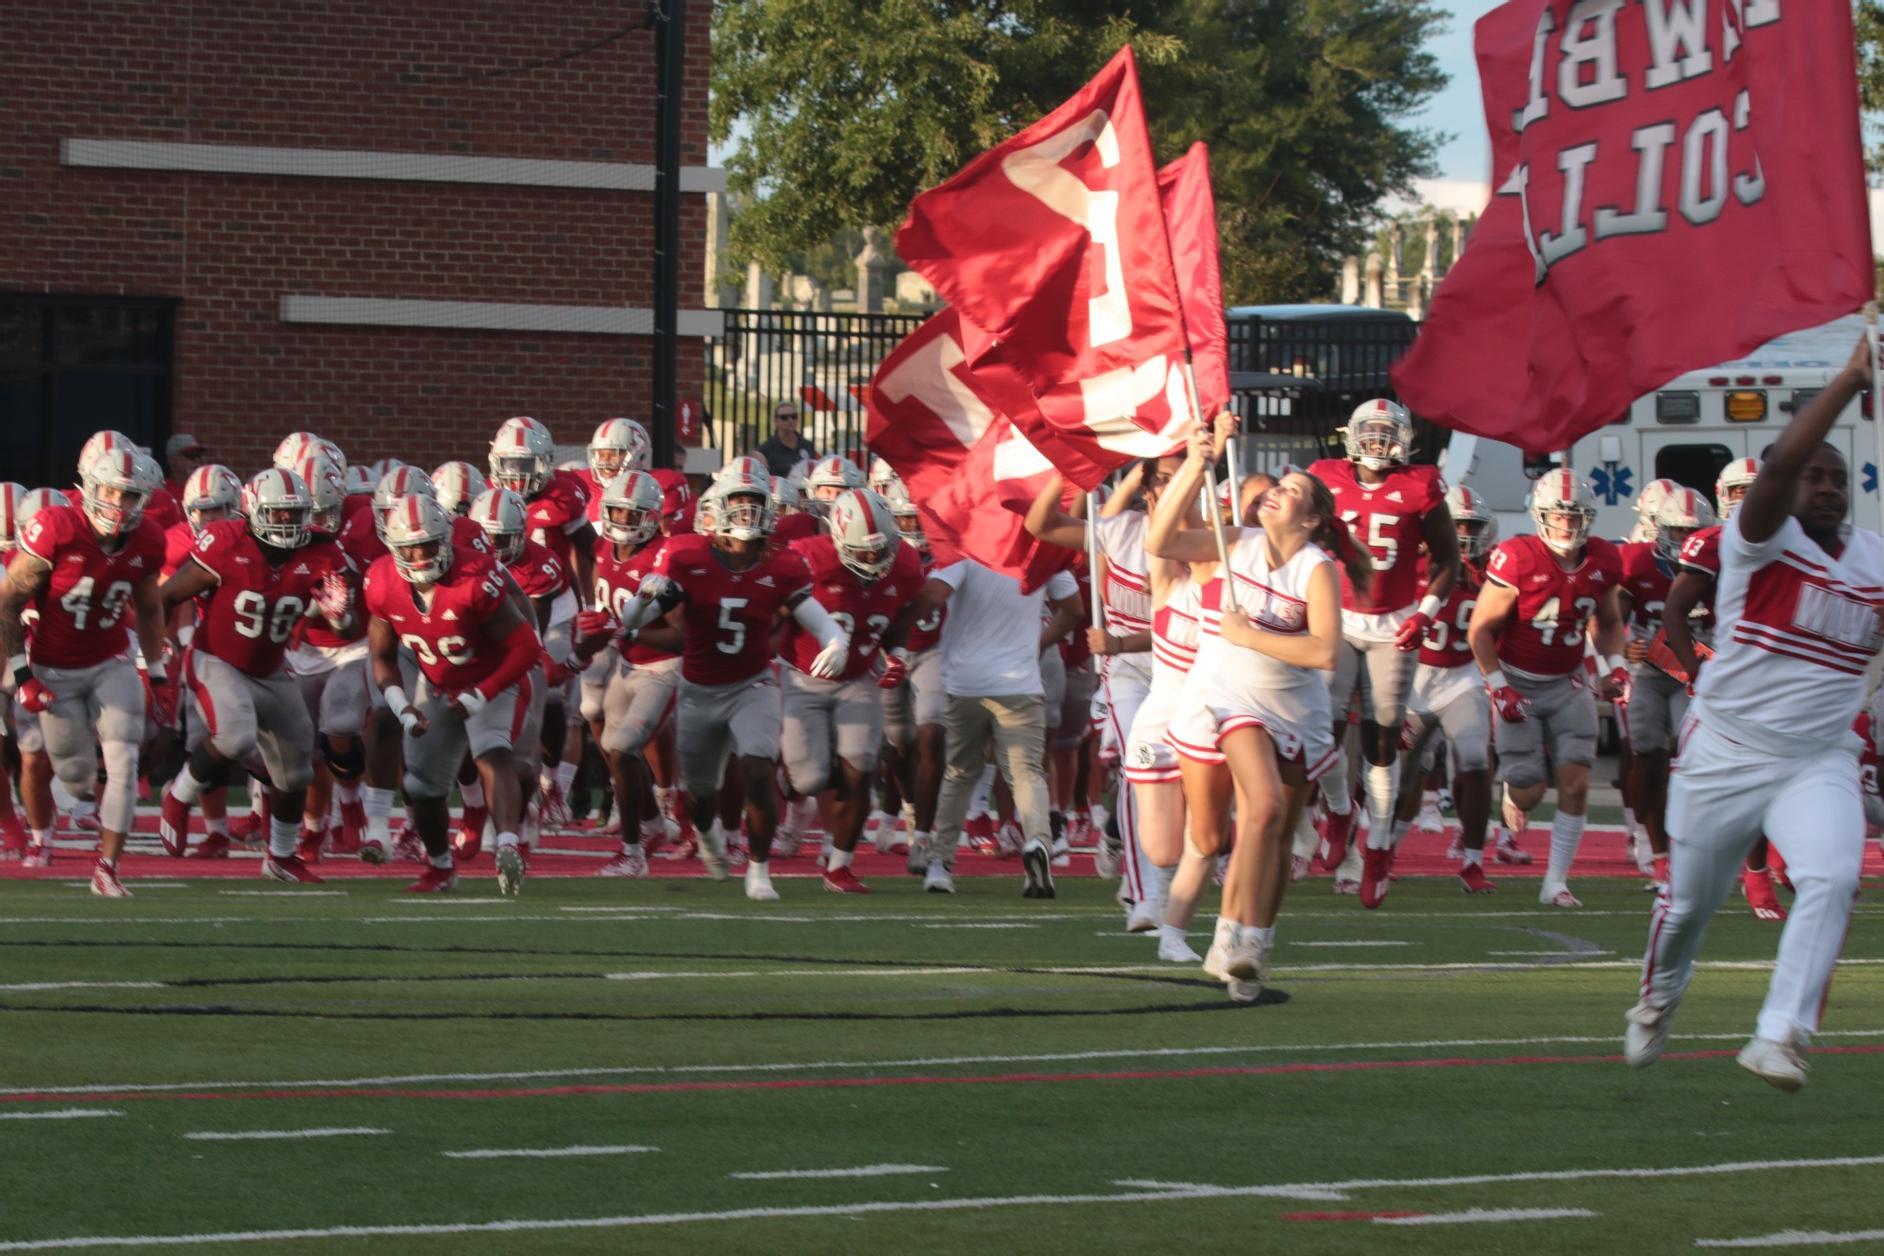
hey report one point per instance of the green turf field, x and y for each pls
(996, 1074)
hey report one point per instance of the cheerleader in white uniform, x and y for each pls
(1252, 719)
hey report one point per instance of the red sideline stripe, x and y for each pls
(1346, 1216)
(845, 1083)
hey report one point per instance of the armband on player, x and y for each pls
(1429, 606)
(20, 670)
(472, 701)
(401, 707)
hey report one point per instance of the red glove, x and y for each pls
(555, 674)
(1413, 631)
(1513, 707)
(34, 697)
(160, 694)
(895, 672)
(1406, 735)
(595, 624)
(1617, 682)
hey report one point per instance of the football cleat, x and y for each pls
(1455, 849)
(1345, 885)
(352, 827)
(1777, 1064)
(288, 868)
(1175, 950)
(632, 862)
(713, 851)
(1375, 867)
(434, 881)
(921, 852)
(13, 839)
(105, 883)
(1037, 867)
(173, 825)
(1557, 894)
(373, 851)
(937, 879)
(213, 846)
(1757, 884)
(552, 808)
(407, 846)
(468, 840)
(656, 832)
(1142, 918)
(252, 826)
(1646, 1034)
(1508, 851)
(36, 855)
(509, 871)
(1472, 880)
(1007, 840)
(759, 885)
(1429, 820)
(85, 819)
(843, 881)
(1299, 867)
(308, 848)
(1106, 854)
(1336, 831)
(979, 830)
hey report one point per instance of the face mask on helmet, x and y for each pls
(522, 474)
(1563, 528)
(114, 493)
(1474, 540)
(742, 516)
(909, 523)
(422, 562)
(625, 525)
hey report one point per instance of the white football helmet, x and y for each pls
(521, 456)
(279, 508)
(787, 497)
(377, 471)
(402, 481)
(295, 449)
(117, 484)
(828, 477)
(101, 442)
(1379, 435)
(1648, 504)
(11, 495)
(503, 516)
(744, 510)
(1477, 526)
(882, 475)
(1564, 509)
(908, 518)
(619, 445)
(865, 532)
(631, 508)
(458, 484)
(35, 501)
(211, 487)
(421, 524)
(327, 490)
(707, 514)
(1732, 485)
(1684, 513)
(358, 479)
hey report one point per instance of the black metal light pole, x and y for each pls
(668, 17)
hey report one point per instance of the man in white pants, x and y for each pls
(1768, 745)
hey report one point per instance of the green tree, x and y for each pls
(840, 111)
(1870, 19)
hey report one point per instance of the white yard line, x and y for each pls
(1798, 1238)
(1383, 942)
(542, 1153)
(22, 986)
(234, 1136)
(59, 1114)
(929, 1061)
(794, 972)
(1011, 924)
(283, 892)
(860, 1171)
(1479, 1216)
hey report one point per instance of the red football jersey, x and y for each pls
(352, 541)
(360, 539)
(85, 610)
(1387, 521)
(1868, 757)
(926, 632)
(616, 583)
(1701, 552)
(256, 606)
(799, 527)
(179, 540)
(560, 507)
(444, 635)
(864, 610)
(1544, 633)
(1445, 644)
(728, 615)
(538, 572)
(1645, 579)
(593, 508)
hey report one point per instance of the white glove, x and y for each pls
(831, 659)
(332, 598)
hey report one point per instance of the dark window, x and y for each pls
(1692, 466)
(74, 365)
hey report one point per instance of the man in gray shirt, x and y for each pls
(786, 448)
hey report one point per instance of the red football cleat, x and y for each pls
(980, 831)
(252, 827)
(1776, 864)
(308, 849)
(1472, 880)
(470, 834)
(843, 881)
(352, 828)
(466, 845)
(1375, 867)
(105, 883)
(13, 838)
(1758, 885)
(1509, 852)
(288, 868)
(213, 846)
(173, 826)
(434, 881)
(1337, 831)
(407, 846)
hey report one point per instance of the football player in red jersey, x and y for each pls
(618, 445)
(86, 570)
(734, 588)
(1541, 594)
(1448, 697)
(12, 833)
(260, 577)
(796, 520)
(557, 501)
(458, 485)
(1391, 509)
(914, 704)
(640, 678)
(867, 580)
(475, 649)
(1657, 701)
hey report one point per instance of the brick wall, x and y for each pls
(446, 77)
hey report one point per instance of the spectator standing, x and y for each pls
(786, 448)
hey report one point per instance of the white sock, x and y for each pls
(1400, 829)
(1378, 782)
(186, 787)
(506, 839)
(838, 859)
(1429, 798)
(473, 794)
(440, 861)
(1336, 796)
(218, 825)
(758, 872)
(565, 776)
(42, 837)
(1263, 936)
(1566, 834)
(1475, 858)
(1158, 886)
(1628, 822)
(978, 801)
(1225, 932)
(282, 835)
(378, 804)
(346, 793)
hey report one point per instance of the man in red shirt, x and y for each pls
(261, 577)
(85, 570)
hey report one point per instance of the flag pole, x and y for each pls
(1877, 403)
(1230, 450)
(1092, 557)
(1216, 530)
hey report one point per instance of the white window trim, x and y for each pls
(605, 320)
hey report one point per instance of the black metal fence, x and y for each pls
(1296, 377)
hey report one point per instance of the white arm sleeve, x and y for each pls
(817, 621)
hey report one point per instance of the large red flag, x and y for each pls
(1674, 184)
(969, 468)
(1190, 215)
(1053, 244)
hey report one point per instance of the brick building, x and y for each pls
(393, 224)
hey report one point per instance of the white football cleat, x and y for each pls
(1647, 1034)
(1778, 1064)
(713, 850)
(1173, 949)
(1143, 917)
(759, 885)
(632, 862)
(1557, 894)
(937, 879)
(509, 871)
(374, 851)
(1429, 819)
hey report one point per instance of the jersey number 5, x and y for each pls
(1383, 549)
(735, 639)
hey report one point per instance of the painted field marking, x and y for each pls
(1011, 924)
(142, 885)
(622, 907)
(83, 985)
(1479, 1216)
(1543, 954)
(59, 1114)
(652, 975)
(232, 1136)
(1798, 1238)
(542, 1153)
(284, 892)
(860, 1171)
(971, 1203)
(1277, 1192)
(1382, 942)
(806, 1066)
(1344, 1216)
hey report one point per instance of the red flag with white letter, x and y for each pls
(1674, 183)
(1190, 215)
(1053, 244)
